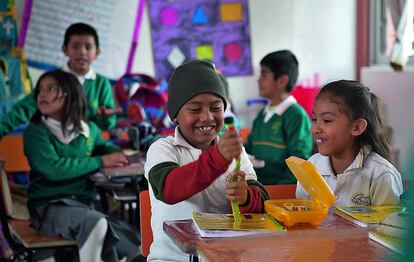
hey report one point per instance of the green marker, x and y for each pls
(234, 205)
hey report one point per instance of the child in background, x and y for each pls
(282, 128)
(63, 150)
(81, 46)
(354, 146)
(188, 171)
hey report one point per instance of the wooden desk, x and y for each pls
(134, 171)
(334, 240)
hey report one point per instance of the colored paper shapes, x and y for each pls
(233, 52)
(169, 16)
(199, 16)
(205, 52)
(215, 30)
(176, 57)
(231, 12)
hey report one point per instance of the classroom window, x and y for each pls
(383, 32)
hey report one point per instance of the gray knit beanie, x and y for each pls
(190, 79)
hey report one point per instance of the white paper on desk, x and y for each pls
(257, 163)
(98, 177)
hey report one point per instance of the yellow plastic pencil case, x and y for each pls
(313, 211)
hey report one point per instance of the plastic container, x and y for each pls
(292, 211)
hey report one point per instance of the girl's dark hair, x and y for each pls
(74, 108)
(356, 101)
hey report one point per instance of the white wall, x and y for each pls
(320, 32)
(396, 91)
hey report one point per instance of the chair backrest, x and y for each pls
(145, 222)
(5, 191)
(281, 191)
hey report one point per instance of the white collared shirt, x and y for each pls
(279, 109)
(369, 181)
(91, 74)
(56, 128)
(212, 199)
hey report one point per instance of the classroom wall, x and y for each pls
(396, 91)
(320, 32)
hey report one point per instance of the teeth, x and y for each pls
(205, 128)
(319, 140)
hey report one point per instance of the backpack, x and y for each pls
(143, 99)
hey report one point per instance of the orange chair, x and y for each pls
(16, 228)
(281, 191)
(145, 222)
(244, 133)
(11, 149)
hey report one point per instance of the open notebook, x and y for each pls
(224, 225)
(365, 216)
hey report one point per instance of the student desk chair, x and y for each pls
(11, 149)
(281, 191)
(145, 222)
(28, 240)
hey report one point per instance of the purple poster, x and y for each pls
(205, 29)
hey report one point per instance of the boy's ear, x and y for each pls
(64, 49)
(98, 51)
(283, 80)
(359, 127)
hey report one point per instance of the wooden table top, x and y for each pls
(334, 240)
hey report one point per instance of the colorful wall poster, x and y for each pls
(205, 29)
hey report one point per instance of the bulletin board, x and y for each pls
(205, 29)
(45, 22)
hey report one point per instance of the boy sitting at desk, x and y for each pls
(189, 170)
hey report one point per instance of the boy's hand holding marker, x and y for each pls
(230, 146)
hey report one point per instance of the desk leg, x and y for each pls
(137, 190)
(193, 258)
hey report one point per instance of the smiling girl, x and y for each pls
(353, 140)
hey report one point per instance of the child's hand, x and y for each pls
(115, 159)
(230, 145)
(237, 190)
(104, 111)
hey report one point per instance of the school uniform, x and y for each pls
(98, 93)
(279, 132)
(204, 173)
(60, 191)
(369, 181)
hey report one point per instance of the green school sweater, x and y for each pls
(281, 137)
(98, 93)
(62, 170)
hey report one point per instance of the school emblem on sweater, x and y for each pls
(361, 200)
(89, 145)
(275, 126)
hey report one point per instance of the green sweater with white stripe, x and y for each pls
(279, 138)
(60, 170)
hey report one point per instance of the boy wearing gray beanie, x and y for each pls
(187, 171)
